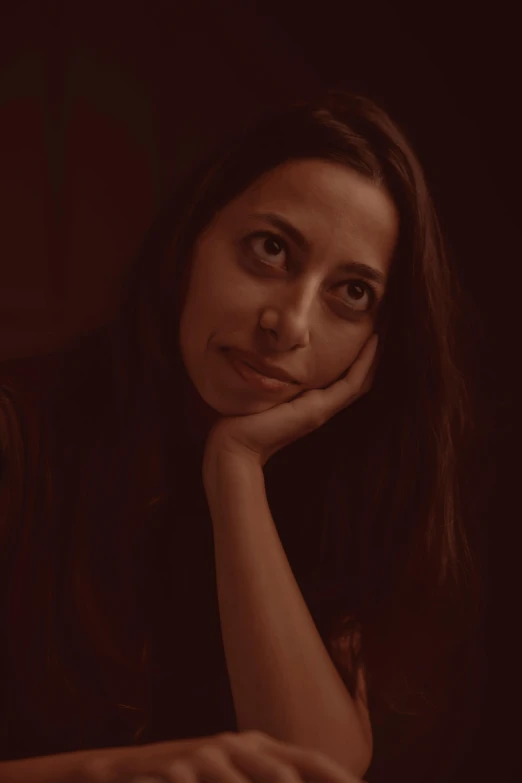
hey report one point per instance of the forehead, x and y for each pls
(321, 195)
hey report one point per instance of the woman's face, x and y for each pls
(292, 271)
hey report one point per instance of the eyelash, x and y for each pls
(372, 294)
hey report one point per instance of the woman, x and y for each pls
(230, 510)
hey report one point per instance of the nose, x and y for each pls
(289, 320)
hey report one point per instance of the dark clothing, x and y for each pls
(186, 690)
(157, 671)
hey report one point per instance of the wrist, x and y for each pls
(233, 483)
(222, 463)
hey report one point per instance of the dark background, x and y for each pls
(103, 105)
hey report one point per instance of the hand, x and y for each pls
(261, 435)
(241, 758)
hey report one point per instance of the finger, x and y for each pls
(181, 772)
(214, 766)
(350, 386)
(363, 364)
(312, 764)
(368, 383)
(262, 767)
(103, 768)
(305, 761)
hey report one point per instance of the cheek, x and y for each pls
(217, 287)
(334, 362)
(210, 310)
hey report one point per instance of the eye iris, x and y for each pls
(272, 246)
(358, 287)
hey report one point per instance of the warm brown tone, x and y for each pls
(393, 557)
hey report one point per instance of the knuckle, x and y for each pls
(98, 769)
(178, 768)
(255, 737)
(315, 398)
(230, 741)
(287, 774)
(316, 418)
(256, 734)
(209, 752)
(318, 758)
(227, 737)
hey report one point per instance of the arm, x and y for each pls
(282, 678)
(86, 765)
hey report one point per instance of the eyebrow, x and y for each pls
(350, 267)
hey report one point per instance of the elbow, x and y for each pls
(364, 763)
(360, 755)
(360, 763)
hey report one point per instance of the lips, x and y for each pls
(256, 363)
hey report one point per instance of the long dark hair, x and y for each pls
(395, 561)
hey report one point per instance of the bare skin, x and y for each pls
(226, 758)
(294, 306)
(291, 274)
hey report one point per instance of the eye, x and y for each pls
(361, 296)
(268, 247)
(271, 250)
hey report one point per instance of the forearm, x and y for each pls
(61, 768)
(82, 765)
(282, 678)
